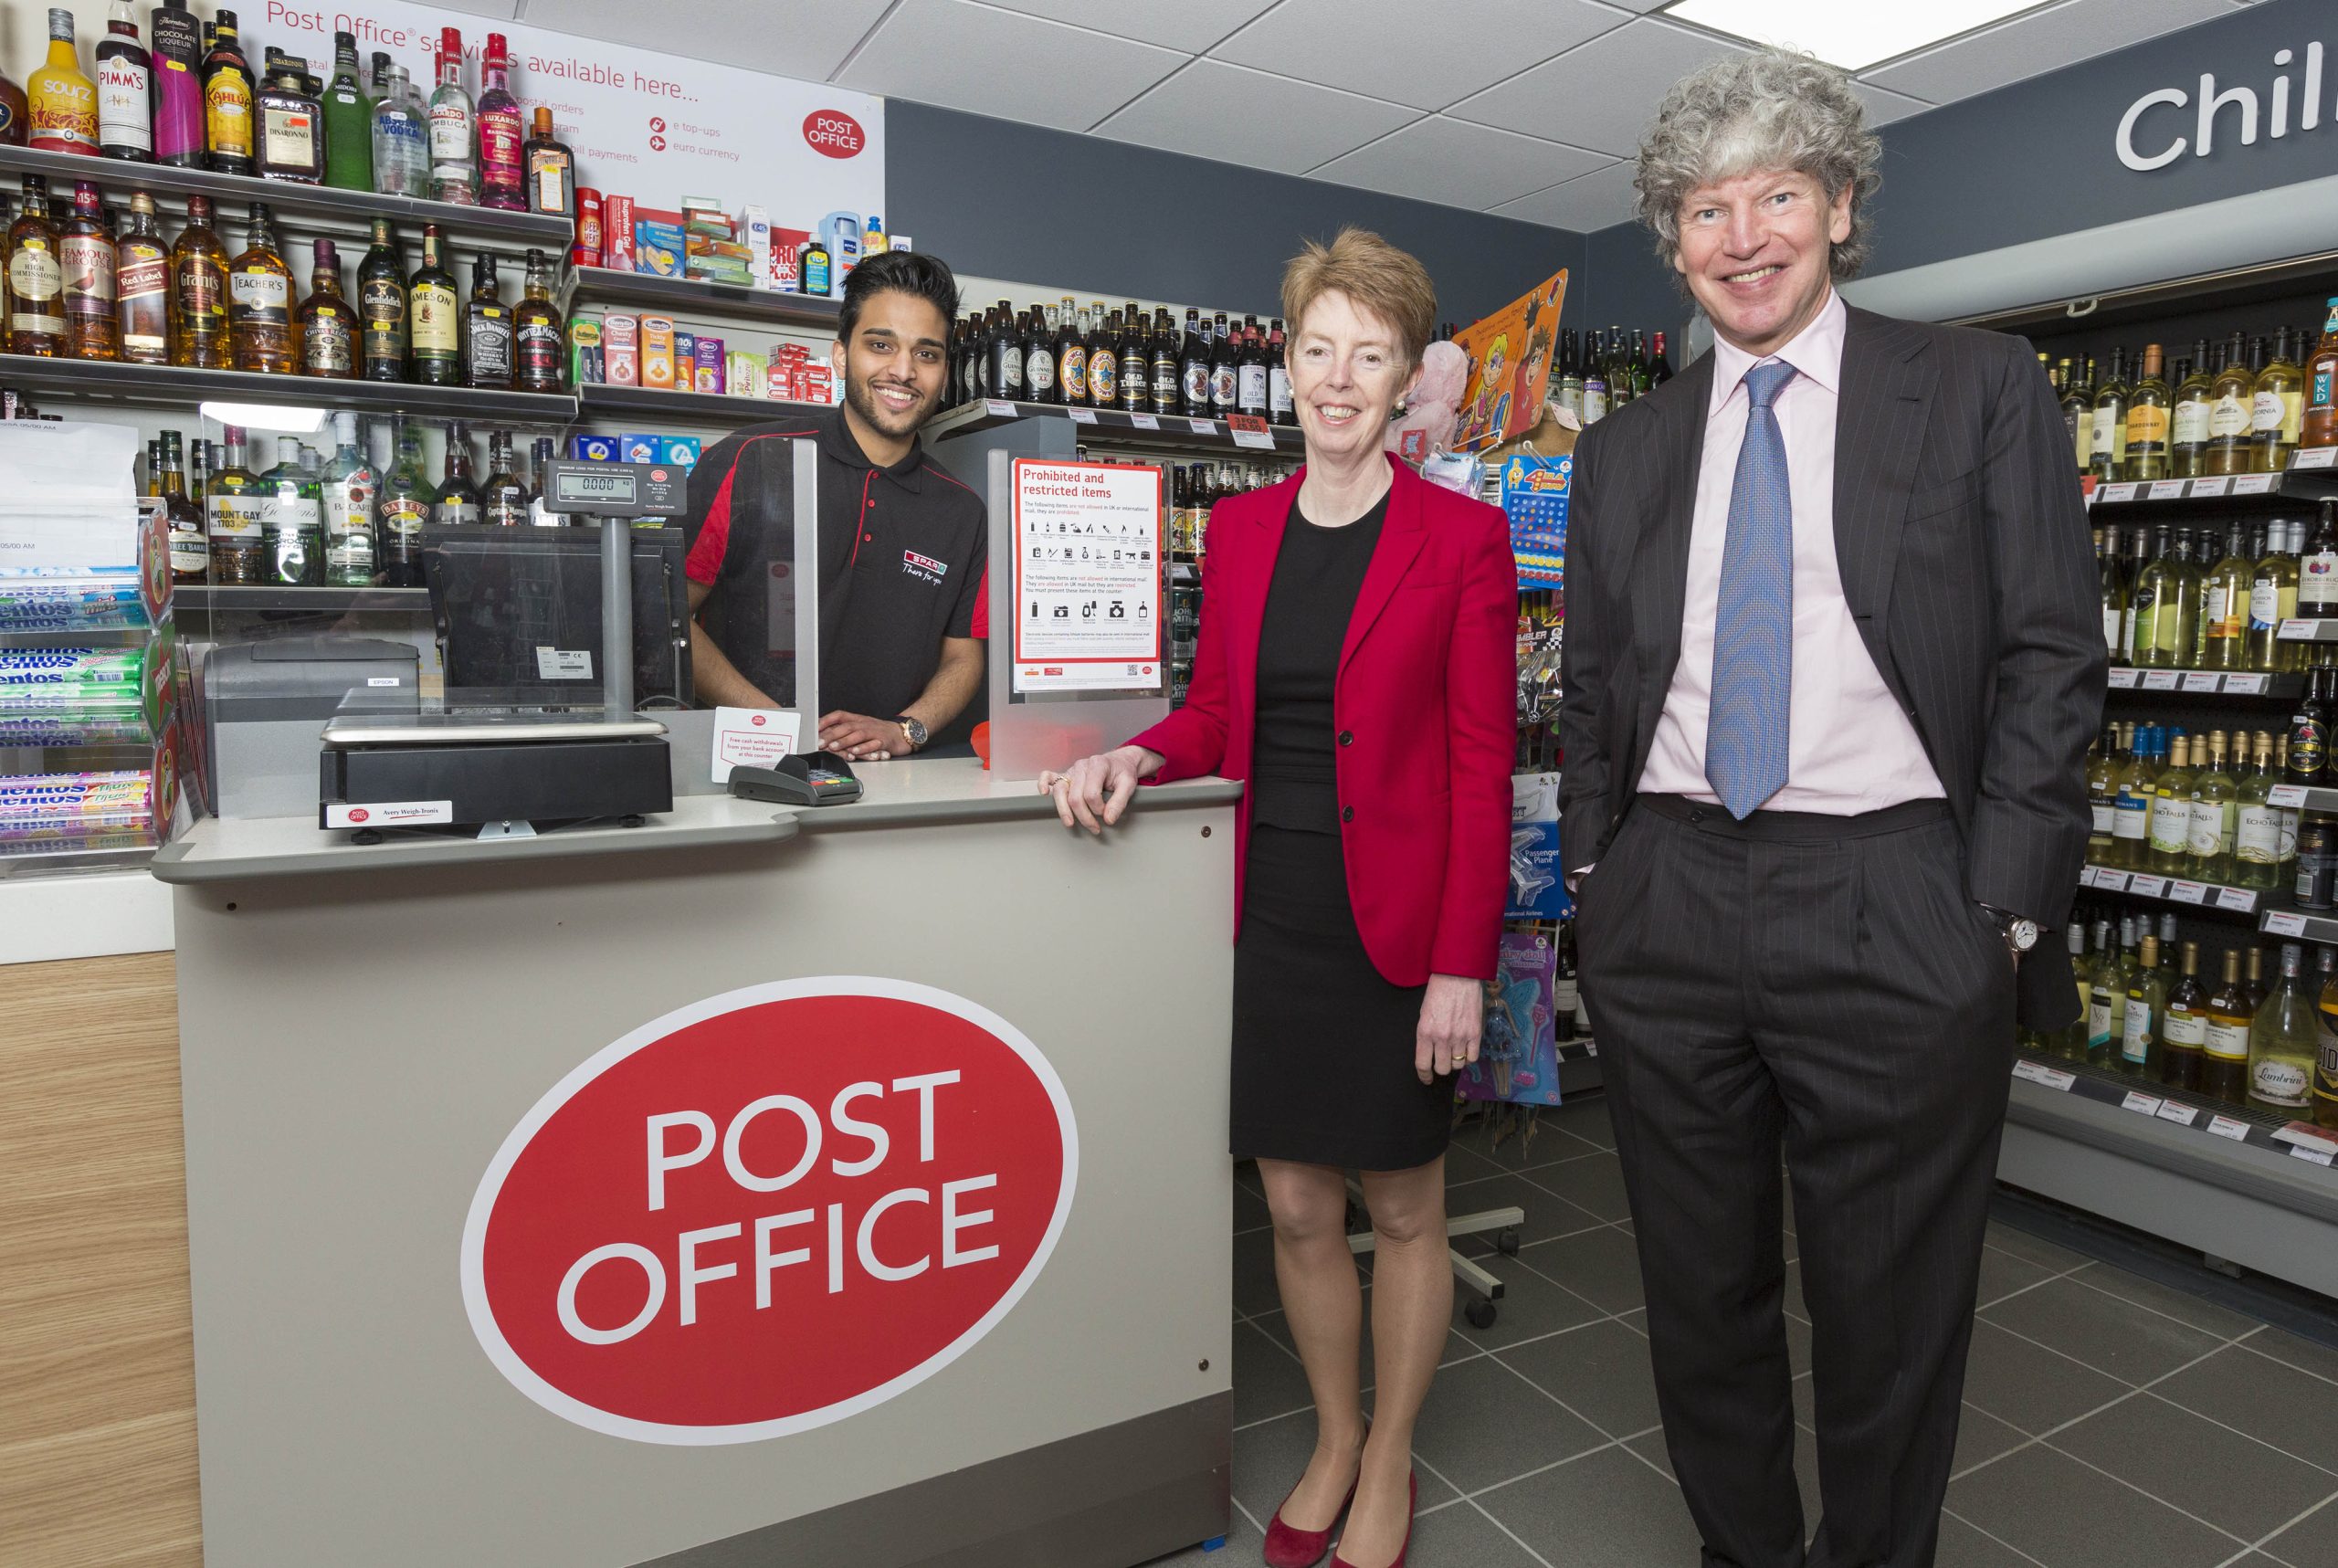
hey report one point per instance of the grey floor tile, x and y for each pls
(1547, 1213)
(1964, 1546)
(2065, 1515)
(1461, 1537)
(1250, 1209)
(1255, 1289)
(2028, 1385)
(1649, 1445)
(2262, 1397)
(1806, 1478)
(2181, 1305)
(1484, 1424)
(1602, 1266)
(1243, 1544)
(1585, 1118)
(1269, 1460)
(2304, 1354)
(1636, 1320)
(1550, 1143)
(2002, 1275)
(2311, 1542)
(1601, 1371)
(1594, 1181)
(1606, 1511)
(1246, 1174)
(2130, 1342)
(1980, 1438)
(1531, 1307)
(1267, 1379)
(1277, 1328)
(2034, 1250)
(2234, 1482)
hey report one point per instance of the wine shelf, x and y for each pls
(2209, 898)
(2140, 498)
(2199, 1121)
(173, 386)
(2208, 682)
(695, 301)
(2308, 630)
(600, 401)
(349, 211)
(2301, 925)
(1173, 431)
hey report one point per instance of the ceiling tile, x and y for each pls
(1459, 164)
(1235, 115)
(806, 39)
(1192, 26)
(1353, 44)
(1596, 200)
(2041, 42)
(1002, 63)
(1602, 94)
(1883, 107)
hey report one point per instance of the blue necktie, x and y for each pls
(1745, 732)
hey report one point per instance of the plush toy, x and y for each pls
(1426, 423)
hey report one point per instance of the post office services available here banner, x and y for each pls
(652, 126)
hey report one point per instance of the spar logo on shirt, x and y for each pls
(924, 568)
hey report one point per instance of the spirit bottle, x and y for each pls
(457, 501)
(381, 306)
(227, 93)
(291, 126)
(35, 292)
(178, 85)
(292, 522)
(125, 90)
(538, 345)
(348, 122)
(350, 485)
(405, 507)
(551, 170)
(436, 317)
(142, 268)
(85, 254)
(487, 322)
(401, 151)
(190, 545)
(2319, 427)
(537, 514)
(199, 292)
(260, 301)
(328, 322)
(503, 499)
(64, 102)
(502, 165)
(454, 156)
(231, 509)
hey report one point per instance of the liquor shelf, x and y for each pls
(689, 298)
(1169, 430)
(353, 210)
(597, 400)
(174, 386)
(2130, 498)
(2160, 887)
(2207, 682)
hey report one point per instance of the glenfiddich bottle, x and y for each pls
(35, 294)
(260, 301)
(435, 316)
(486, 321)
(328, 330)
(143, 288)
(539, 345)
(381, 306)
(199, 292)
(85, 251)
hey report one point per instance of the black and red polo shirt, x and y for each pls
(904, 556)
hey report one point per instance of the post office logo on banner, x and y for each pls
(834, 132)
(770, 1210)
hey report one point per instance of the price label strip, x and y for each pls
(2166, 490)
(2292, 795)
(2149, 887)
(2284, 922)
(2254, 484)
(2314, 457)
(1144, 422)
(1251, 431)
(2208, 490)
(2201, 680)
(2241, 899)
(2110, 881)
(2113, 494)
(2140, 1103)
(2248, 685)
(2182, 1115)
(2125, 680)
(2188, 892)
(2228, 1127)
(2045, 1076)
(1082, 416)
(2161, 679)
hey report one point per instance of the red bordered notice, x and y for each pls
(1088, 602)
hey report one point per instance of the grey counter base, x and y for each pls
(1106, 1499)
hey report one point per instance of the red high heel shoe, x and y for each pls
(1290, 1548)
(1404, 1550)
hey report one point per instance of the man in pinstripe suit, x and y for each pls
(1831, 666)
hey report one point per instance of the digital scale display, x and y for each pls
(617, 490)
(580, 485)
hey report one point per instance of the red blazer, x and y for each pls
(1424, 705)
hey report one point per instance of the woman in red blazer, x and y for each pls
(1357, 670)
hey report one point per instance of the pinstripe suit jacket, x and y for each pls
(1962, 540)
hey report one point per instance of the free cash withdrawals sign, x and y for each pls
(652, 126)
(1087, 598)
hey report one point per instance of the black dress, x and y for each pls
(1323, 1067)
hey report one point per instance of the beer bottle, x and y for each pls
(1193, 371)
(1165, 362)
(1071, 355)
(1136, 366)
(1104, 364)
(1039, 373)
(1279, 410)
(1251, 373)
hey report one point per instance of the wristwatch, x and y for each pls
(915, 729)
(2020, 934)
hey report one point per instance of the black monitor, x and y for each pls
(518, 615)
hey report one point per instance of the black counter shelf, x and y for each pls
(2131, 681)
(295, 205)
(174, 387)
(1172, 432)
(691, 300)
(598, 400)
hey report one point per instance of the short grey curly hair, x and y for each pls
(1774, 108)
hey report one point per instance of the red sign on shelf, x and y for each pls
(768, 1211)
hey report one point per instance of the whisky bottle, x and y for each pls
(328, 322)
(454, 142)
(435, 314)
(2139, 1046)
(2224, 1044)
(502, 158)
(2215, 817)
(2231, 411)
(2188, 425)
(349, 484)
(85, 254)
(2319, 425)
(381, 307)
(291, 126)
(2223, 615)
(190, 544)
(2277, 416)
(2147, 421)
(64, 102)
(143, 287)
(456, 503)
(260, 301)
(199, 292)
(35, 294)
(291, 519)
(539, 345)
(348, 122)
(2183, 1032)
(231, 509)
(502, 499)
(487, 321)
(227, 94)
(405, 509)
(125, 90)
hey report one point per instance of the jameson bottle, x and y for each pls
(125, 90)
(435, 314)
(381, 307)
(142, 269)
(348, 121)
(85, 250)
(199, 292)
(177, 61)
(502, 159)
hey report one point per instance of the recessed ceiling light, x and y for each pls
(1852, 34)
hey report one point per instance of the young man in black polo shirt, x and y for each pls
(903, 547)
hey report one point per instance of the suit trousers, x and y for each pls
(1819, 987)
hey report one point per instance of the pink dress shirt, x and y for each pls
(1852, 749)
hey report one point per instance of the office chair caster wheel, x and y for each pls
(1506, 1241)
(1480, 1314)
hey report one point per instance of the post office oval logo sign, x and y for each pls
(768, 1211)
